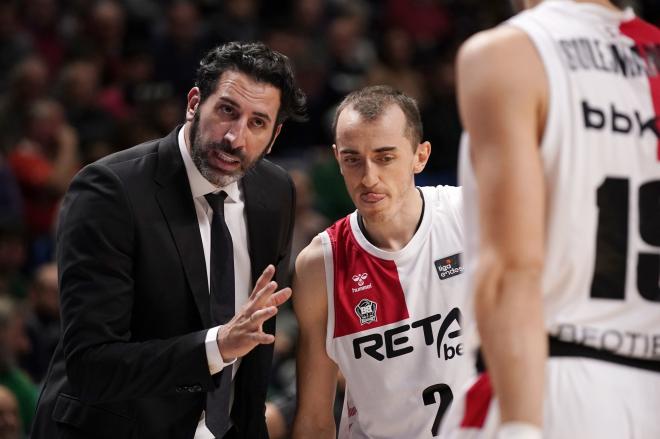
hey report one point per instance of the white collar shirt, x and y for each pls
(235, 218)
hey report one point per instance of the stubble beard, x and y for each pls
(199, 154)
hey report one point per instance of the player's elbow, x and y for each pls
(504, 280)
(310, 426)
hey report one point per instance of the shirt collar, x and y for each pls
(199, 185)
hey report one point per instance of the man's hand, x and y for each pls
(245, 331)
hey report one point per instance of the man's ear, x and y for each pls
(335, 151)
(193, 102)
(422, 156)
(276, 133)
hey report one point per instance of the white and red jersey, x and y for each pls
(394, 325)
(601, 162)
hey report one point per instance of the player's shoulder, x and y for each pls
(501, 52)
(310, 259)
(504, 39)
(445, 203)
(444, 195)
(309, 283)
(499, 65)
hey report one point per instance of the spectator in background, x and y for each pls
(179, 46)
(41, 21)
(11, 205)
(426, 21)
(396, 53)
(10, 419)
(28, 83)
(105, 37)
(441, 121)
(42, 321)
(237, 21)
(14, 44)
(13, 342)
(351, 53)
(44, 162)
(13, 254)
(79, 93)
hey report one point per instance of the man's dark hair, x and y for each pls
(371, 103)
(259, 62)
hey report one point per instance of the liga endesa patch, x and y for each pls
(449, 266)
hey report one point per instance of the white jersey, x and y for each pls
(601, 160)
(394, 322)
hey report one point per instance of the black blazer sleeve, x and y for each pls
(96, 245)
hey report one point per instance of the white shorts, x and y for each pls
(585, 398)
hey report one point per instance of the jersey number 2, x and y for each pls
(609, 281)
(446, 397)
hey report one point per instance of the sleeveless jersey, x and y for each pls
(601, 162)
(394, 322)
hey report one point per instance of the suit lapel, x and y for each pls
(176, 203)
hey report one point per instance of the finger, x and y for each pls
(260, 299)
(266, 276)
(263, 338)
(259, 317)
(279, 297)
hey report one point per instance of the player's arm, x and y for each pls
(502, 97)
(317, 373)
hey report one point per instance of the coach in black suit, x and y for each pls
(144, 353)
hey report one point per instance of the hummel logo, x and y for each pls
(359, 278)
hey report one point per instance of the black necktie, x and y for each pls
(222, 308)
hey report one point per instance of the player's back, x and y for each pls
(601, 158)
(600, 153)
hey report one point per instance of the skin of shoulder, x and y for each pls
(309, 278)
(500, 69)
(316, 372)
(502, 92)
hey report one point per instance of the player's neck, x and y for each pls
(393, 232)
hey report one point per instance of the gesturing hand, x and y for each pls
(245, 330)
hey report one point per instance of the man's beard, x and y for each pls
(199, 153)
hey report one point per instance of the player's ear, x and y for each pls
(336, 153)
(193, 103)
(422, 155)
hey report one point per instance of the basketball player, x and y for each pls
(377, 294)
(561, 173)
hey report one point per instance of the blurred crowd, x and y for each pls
(80, 79)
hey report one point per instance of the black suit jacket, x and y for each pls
(135, 301)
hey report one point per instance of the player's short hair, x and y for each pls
(371, 102)
(258, 61)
